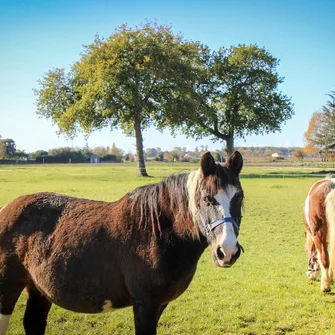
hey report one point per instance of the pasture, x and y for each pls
(265, 292)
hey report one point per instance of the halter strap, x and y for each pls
(211, 226)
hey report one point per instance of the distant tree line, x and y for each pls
(78, 155)
(9, 153)
(115, 154)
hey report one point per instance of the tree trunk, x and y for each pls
(139, 150)
(230, 144)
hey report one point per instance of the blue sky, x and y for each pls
(37, 36)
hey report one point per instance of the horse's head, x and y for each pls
(217, 206)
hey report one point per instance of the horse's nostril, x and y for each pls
(220, 254)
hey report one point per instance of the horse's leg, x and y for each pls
(9, 294)
(12, 283)
(37, 309)
(321, 246)
(313, 266)
(146, 315)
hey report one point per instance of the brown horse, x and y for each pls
(141, 251)
(319, 220)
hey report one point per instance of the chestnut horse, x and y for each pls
(141, 251)
(319, 220)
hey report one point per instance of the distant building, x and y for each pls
(279, 156)
(190, 155)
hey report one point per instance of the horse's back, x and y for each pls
(314, 209)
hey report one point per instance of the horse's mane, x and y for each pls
(165, 201)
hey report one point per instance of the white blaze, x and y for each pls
(224, 199)
(228, 241)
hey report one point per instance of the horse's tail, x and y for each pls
(330, 215)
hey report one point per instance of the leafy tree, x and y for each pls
(7, 148)
(63, 151)
(38, 153)
(320, 135)
(151, 152)
(314, 138)
(66, 154)
(242, 96)
(100, 151)
(117, 152)
(299, 154)
(167, 156)
(133, 79)
(160, 156)
(175, 155)
(21, 154)
(110, 158)
(2, 150)
(129, 157)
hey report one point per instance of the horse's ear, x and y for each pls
(207, 164)
(235, 162)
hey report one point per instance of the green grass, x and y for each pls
(265, 292)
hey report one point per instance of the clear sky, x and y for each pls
(37, 36)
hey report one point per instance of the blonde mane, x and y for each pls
(193, 183)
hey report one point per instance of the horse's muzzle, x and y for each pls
(221, 260)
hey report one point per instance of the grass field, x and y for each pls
(265, 292)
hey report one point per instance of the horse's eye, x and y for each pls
(207, 200)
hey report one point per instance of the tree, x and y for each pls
(242, 96)
(320, 135)
(175, 155)
(135, 78)
(314, 138)
(299, 154)
(7, 148)
(160, 156)
(116, 151)
(100, 151)
(151, 152)
(2, 150)
(21, 154)
(38, 153)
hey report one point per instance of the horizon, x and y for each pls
(170, 149)
(41, 35)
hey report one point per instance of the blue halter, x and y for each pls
(209, 227)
